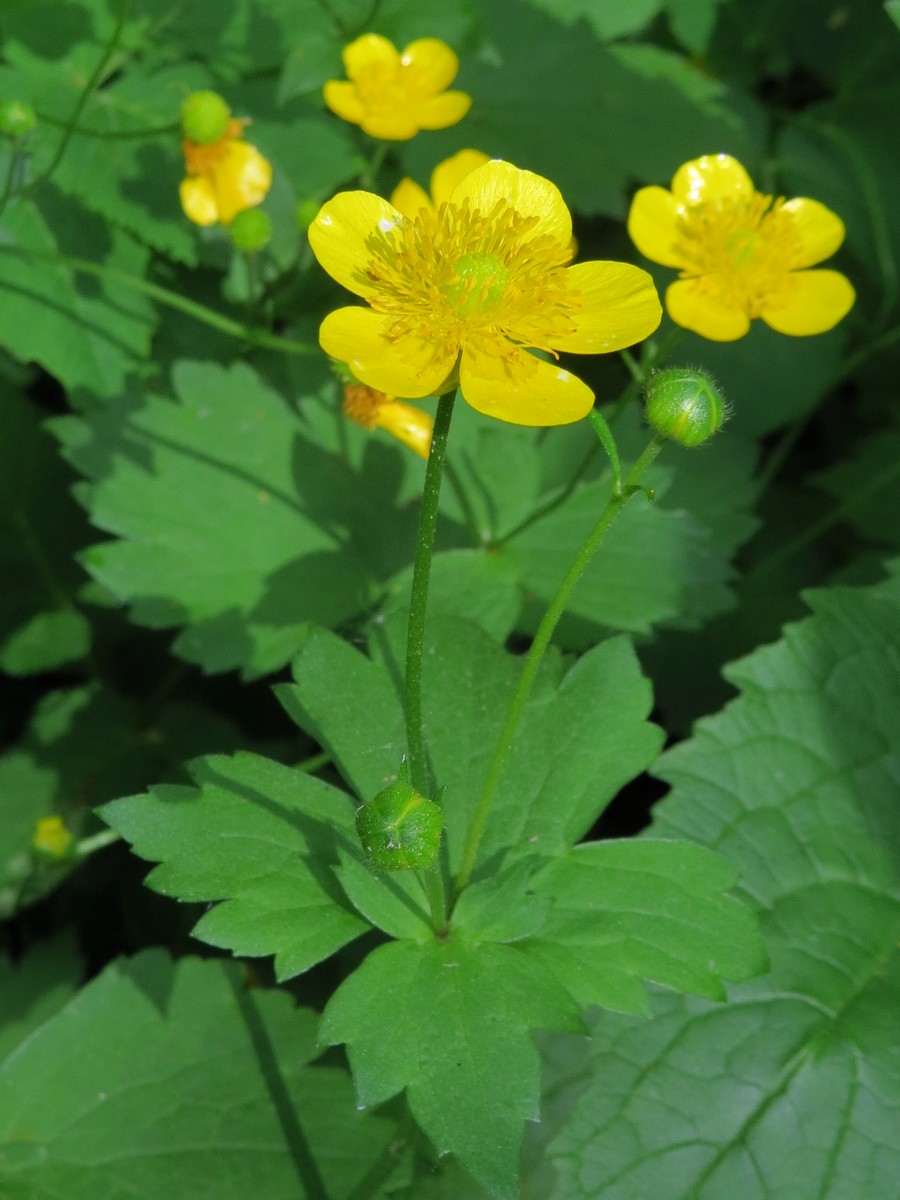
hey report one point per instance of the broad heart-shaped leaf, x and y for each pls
(231, 520)
(584, 734)
(451, 1022)
(41, 530)
(90, 333)
(174, 1079)
(793, 1090)
(260, 837)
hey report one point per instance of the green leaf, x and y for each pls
(864, 487)
(471, 584)
(231, 520)
(174, 1078)
(90, 334)
(608, 21)
(36, 988)
(261, 838)
(41, 530)
(428, 1018)
(692, 22)
(793, 1089)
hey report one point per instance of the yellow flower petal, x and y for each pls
(429, 65)
(399, 125)
(407, 197)
(343, 100)
(399, 367)
(242, 179)
(613, 305)
(517, 387)
(198, 200)
(528, 194)
(440, 112)
(820, 230)
(408, 425)
(447, 174)
(712, 177)
(370, 52)
(340, 231)
(653, 225)
(817, 301)
(688, 304)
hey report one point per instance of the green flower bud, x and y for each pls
(251, 230)
(204, 117)
(17, 118)
(685, 405)
(400, 830)
(306, 212)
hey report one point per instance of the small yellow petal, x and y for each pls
(653, 225)
(820, 230)
(399, 125)
(817, 301)
(527, 194)
(447, 174)
(613, 305)
(242, 180)
(339, 234)
(440, 112)
(521, 389)
(371, 52)
(407, 197)
(712, 177)
(343, 100)
(429, 66)
(408, 425)
(691, 307)
(198, 200)
(407, 366)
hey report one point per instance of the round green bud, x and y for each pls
(306, 212)
(251, 230)
(17, 118)
(684, 404)
(400, 830)
(204, 117)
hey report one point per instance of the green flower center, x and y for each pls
(479, 283)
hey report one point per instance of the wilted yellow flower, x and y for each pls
(407, 197)
(466, 291)
(741, 254)
(393, 94)
(224, 177)
(51, 837)
(374, 410)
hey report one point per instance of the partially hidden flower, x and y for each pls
(374, 410)
(464, 293)
(52, 838)
(392, 94)
(408, 197)
(742, 255)
(224, 177)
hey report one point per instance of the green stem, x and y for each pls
(15, 157)
(255, 337)
(370, 176)
(315, 762)
(90, 845)
(608, 442)
(534, 657)
(173, 127)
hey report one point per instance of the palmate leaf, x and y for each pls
(164, 1078)
(794, 1089)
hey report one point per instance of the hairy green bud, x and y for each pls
(251, 230)
(400, 830)
(16, 118)
(204, 117)
(684, 404)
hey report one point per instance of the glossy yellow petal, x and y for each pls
(343, 100)
(447, 174)
(817, 301)
(527, 194)
(517, 387)
(440, 112)
(429, 66)
(613, 305)
(408, 425)
(653, 225)
(340, 231)
(407, 366)
(398, 125)
(821, 231)
(371, 52)
(689, 305)
(242, 179)
(407, 197)
(712, 177)
(199, 201)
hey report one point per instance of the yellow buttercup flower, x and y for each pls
(224, 177)
(374, 410)
(741, 254)
(464, 292)
(407, 197)
(393, 94)
(52, 838)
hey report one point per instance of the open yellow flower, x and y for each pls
(374, 410)
(742, 255)
(393, 94)
(224, 177)
(464, 292)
